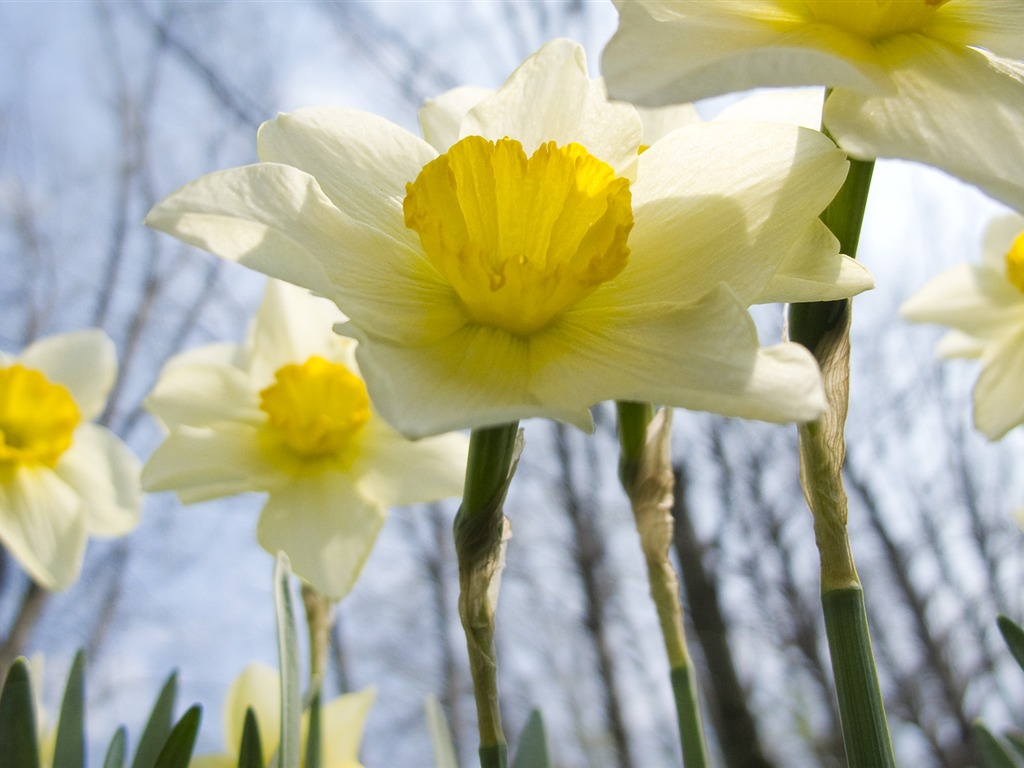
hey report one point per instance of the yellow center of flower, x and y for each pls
(1015, 262)
(37, 417)
(520, 239)
(316, 408)
(875, 19)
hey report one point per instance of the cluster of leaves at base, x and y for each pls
(164, 744)
(1007, 750)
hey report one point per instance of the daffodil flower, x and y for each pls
(984, 304)
(259, 687)
(62, 478)
(288, 414)
(938, 82)
(534, 262)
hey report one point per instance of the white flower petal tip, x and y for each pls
(938, 83)
(61, 477)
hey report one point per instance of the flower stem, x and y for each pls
(824, 328)
(480, 534)
(645, 469)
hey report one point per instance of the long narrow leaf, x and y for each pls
(993, 753)
(288, 653)
(440, 735)
(118, 749)
(158, 727)
(314, 737)
(533, 744)
(177, 750)
(69, 751)
(18, 718)
(1014, 637)
(250, 751)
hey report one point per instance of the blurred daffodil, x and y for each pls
(62, 478)
(287, 413)
(984, 304)
(528, 260)
(928, 80)
(259, 687)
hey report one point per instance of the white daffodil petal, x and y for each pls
(658, 122)
(272, 218)
(998, 405)
(290, 327)
(441, 117)
(257, 687)
(325, 527)
(670, 52)
(700, 221)
(276, 220)
(995, 25)
(83, 361)
(999, 237)
(397, 471)
(213, 761)
(42, 525)
(105, 475)
(550, 97)
(702, 357)
(952, 109)
(476, 377)
(975, 300)
(814, 270)
(202, 464)
(960, 344)
(796, 106)
(343, 721)
(201, 394)
(361, 161)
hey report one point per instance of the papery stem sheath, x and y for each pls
(646, 474)
(824, 328)
(479, 532)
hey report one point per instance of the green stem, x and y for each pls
(479, 534)
(646, 474)
(824, 328)
(864, 728)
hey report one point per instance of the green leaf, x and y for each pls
(118, 749)
(158, 726)
(288, 652)
(533, 744)
(993, 753)
(1016, 740)
(18, 718)
(177, 750)
(440, 736)
(69, 751)
(313, 738)
(250, 751)
(1014, 637)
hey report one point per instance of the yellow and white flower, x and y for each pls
(259, 687)
(937, 81)
(62, 478)
(984, 304)
(288, 414)
(533, 262)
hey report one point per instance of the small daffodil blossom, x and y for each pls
(936, 81)
(984, 305)
(534, 262)
(62, 478)
(258, 687)
(287, 413)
